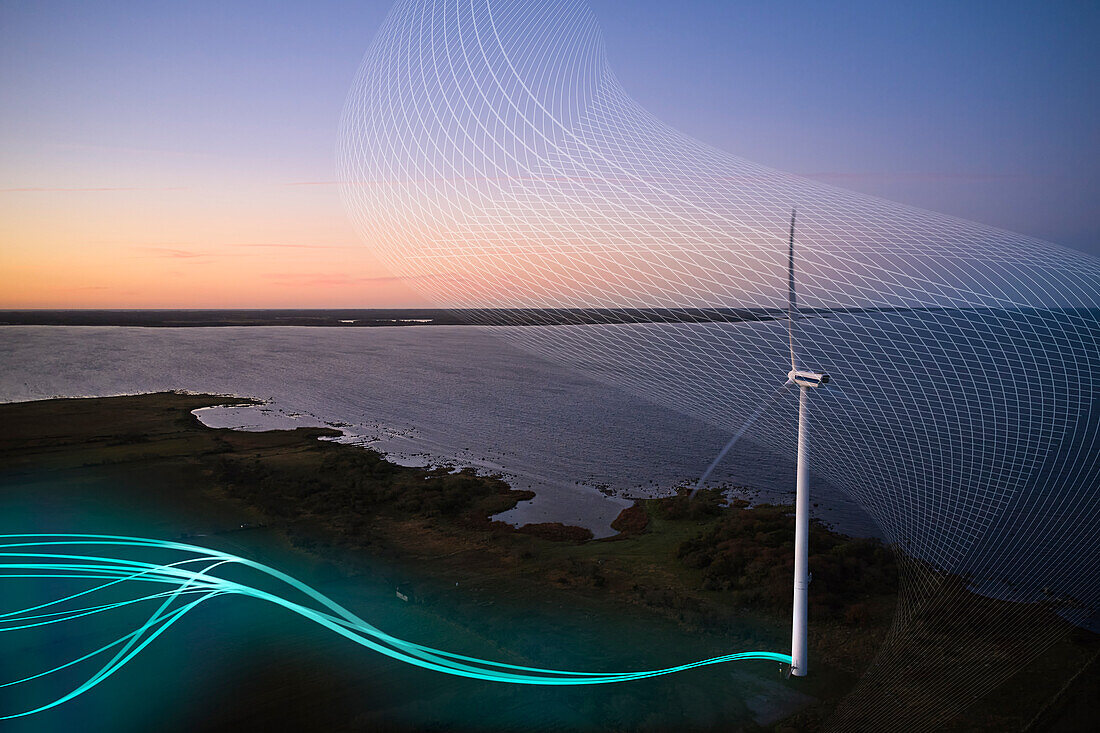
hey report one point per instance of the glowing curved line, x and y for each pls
(41, 556)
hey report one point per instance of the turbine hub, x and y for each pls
(804, 378)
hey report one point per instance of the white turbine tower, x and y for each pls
(806, 381)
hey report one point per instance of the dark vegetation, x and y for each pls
(632, 520)
(557, 532)
(693, 561)
(358, 484)
(750, 555)
(742, 554)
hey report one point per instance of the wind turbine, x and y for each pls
(806, 381)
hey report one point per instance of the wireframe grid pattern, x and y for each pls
(492, 159)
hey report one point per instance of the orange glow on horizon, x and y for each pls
(251, 246)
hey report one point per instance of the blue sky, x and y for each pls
(983, 110)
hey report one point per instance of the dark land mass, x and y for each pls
(377, 317)
(359, 318)
(684, 565)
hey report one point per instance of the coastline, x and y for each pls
(390, 317)
(462, 396)
(654, 572)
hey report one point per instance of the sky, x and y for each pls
(182, 155)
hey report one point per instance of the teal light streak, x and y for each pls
(192, 582)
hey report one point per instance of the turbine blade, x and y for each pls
(737, 436)
(791, 306)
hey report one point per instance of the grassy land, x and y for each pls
(693, 562)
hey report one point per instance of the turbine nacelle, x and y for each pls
(804, 378)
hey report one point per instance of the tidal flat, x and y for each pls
(683, 579)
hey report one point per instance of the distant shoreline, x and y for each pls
(389, 317)
(378, 317)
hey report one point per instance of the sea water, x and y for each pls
(422, 395)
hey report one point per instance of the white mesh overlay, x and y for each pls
(493, 161)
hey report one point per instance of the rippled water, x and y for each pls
(421, 394)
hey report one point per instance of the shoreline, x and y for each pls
(436, 526)
(418, 454)
(401, 317)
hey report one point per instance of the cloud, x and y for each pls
(171, 253)
(326, 279)
(295, 246)
(337, 279)
(226, 250)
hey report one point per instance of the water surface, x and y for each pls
(422, 395)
